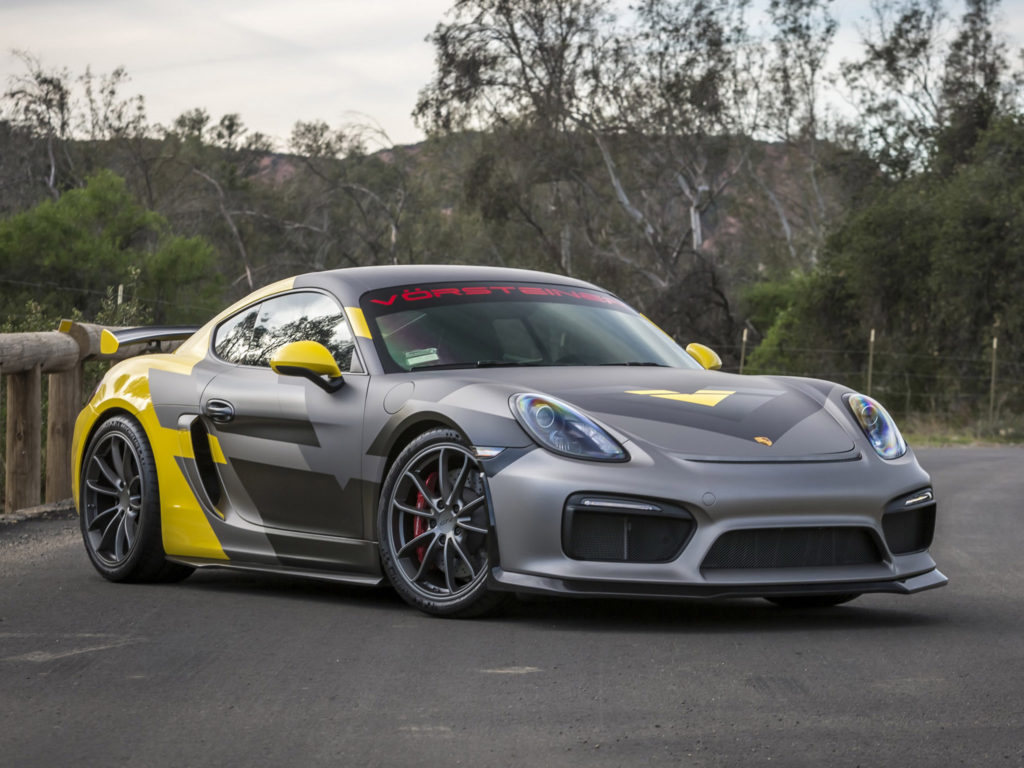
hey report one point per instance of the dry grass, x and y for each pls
(939, 430)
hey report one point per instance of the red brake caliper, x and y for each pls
(419, 524)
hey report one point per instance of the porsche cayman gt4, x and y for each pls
(465, 433)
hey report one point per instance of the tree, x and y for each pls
(525, 74)
(348, 204)
(922, 96)
(40, 104)
(978, 84)
(801, 37)
(65, 255)
(55, 130)
(207, 172)
(934, 265)
(623, 149)
(511, 61)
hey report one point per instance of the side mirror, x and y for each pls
(311, 360)
(706, 356)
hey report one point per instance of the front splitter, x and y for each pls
(527, 583)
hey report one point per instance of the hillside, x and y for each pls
(468, 197)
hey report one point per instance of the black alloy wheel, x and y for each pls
(120, 506)
(434, 525)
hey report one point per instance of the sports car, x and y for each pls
(467, 433)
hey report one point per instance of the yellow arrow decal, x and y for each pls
(707, 397)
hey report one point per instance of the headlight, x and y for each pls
(562, 429)
(878, 426)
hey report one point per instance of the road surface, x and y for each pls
(231, 669)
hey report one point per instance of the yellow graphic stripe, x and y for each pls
(358, 320)
(706, 397)
(215, 450)
(185, 444)
(185, 529)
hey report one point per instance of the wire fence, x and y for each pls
(988, 386)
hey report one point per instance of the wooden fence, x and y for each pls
(24, 358)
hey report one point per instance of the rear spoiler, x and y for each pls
(111, 341)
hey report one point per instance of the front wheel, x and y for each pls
(433, 525)
(120, 506)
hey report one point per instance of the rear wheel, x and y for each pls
(433, 525)
(811, 601)
(120, 504)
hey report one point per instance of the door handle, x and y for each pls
(220, 411)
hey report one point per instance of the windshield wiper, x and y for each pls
(438, 366)
(503, 363)
(477, 364)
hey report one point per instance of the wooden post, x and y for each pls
(24, 436)
(743, 350)
(23, 358)
(871, 361)
(65, 400)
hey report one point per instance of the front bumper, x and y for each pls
(529, 494)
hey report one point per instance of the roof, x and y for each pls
(358, 280)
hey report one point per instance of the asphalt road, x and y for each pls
(227, 669)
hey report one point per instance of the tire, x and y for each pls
(120, 506)
(433, 525)
(811, 601)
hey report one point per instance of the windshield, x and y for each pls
(483, 325)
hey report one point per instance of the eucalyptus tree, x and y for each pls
(523, 74)
(346, 204)
(635, 146)
(926, 84)
(607, 140)
(39, 103)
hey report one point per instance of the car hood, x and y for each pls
(702, 415)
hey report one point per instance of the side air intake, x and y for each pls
(626, 530)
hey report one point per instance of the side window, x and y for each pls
(232, 339)
(292, 317)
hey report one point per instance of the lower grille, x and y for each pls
(627, 531)
(792, 548)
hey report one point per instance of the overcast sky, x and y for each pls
(273, 62)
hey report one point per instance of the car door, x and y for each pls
(291, 451)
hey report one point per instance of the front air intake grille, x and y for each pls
(623, 530)
(910, 530)
(792, 548)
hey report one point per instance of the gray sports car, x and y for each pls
(467, 432)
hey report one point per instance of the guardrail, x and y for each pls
(24, 358)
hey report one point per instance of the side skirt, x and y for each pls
(280, 570)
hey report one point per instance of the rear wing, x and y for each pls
(112, 340)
